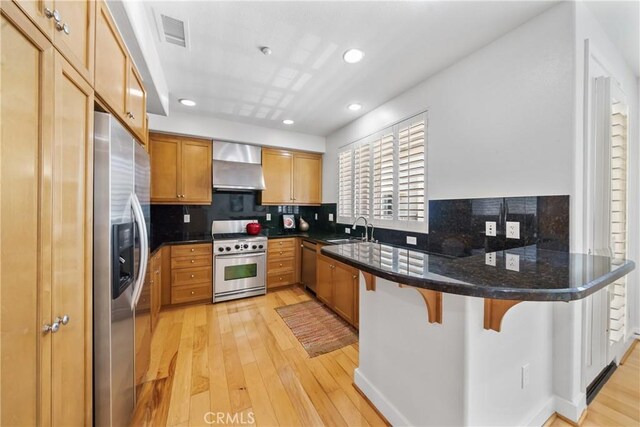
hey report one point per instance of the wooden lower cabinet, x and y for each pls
(337, 288)
(282, 262)
(191, 273)
(46, 155)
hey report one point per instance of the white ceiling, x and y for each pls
(305, 79)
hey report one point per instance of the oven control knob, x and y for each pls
(228, 248)
(220, 249)
(254, 247)
(237, 246)
(246, 246)
(261, 246)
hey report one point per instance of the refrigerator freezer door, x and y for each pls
(113, 318)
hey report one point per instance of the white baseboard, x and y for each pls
(571, 410)
(382, 404)
(543, 415)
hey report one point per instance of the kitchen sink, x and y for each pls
(341, 241)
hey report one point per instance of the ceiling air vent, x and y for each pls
(172, 30)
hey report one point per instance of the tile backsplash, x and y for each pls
(456, 227)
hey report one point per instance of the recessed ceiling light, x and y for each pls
(353, 55)
(354, 107)
(187, 102)
(288, 121)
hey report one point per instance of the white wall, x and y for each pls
(210, 127)
(500, 120)
(454, 373)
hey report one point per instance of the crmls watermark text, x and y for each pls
(228, 418)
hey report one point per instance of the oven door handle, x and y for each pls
(244, 255)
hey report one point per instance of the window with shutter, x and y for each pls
(383, 177)
(362, 180)
(411, 171)
(618, 217)
(345, 185)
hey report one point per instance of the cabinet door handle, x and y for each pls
(280, 264)
(193, 292)
(63, 320)
(281, 252)
(193, 249)
(53, 328)
(52, 14)
(192, 261)
(63, 27)
(354, 276)
(193, 275)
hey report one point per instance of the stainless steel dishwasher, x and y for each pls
(308, 273)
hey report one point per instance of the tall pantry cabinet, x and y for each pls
(46, 152)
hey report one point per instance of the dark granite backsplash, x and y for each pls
(167, 221)
(457, 227)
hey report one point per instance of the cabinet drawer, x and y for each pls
(191, 261)
(278, 253)
(281, 266)
(191, 276)
(280, 244)
(275, 280)
(185, 294)
(188, 250)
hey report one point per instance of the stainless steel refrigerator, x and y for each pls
(121, 251)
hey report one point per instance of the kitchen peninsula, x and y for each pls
(478, 340)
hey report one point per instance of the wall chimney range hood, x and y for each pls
(237, 167)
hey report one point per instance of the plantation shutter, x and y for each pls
(411, 170)
(345, 186)
(383, 177)
(618, 218)
(362, 180)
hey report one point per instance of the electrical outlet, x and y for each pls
(513, 262)
(268, 217)
(513, 230)
(412, 240)
(490, 228)
(330, 217)
(187, 218)
(315, 216)
(490, 258)
(525, 376)
(347, 230)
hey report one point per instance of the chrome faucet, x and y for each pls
(365, 236)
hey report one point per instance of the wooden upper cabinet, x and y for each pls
(165, 177)
(307, 179)
(136, 113)
(71, 27)
(180, 170)
(277, 166)
(291, 177)
(74, 35)
(117, 81)
(196, 171)
(112, 62)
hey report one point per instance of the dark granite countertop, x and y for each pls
(543, 275)
(192, 238)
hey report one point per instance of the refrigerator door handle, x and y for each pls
(144, 249)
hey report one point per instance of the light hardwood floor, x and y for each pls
(618, 403)
(240, 357)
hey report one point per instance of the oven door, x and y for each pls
(239, 275)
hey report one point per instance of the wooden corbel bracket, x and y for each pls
(433, 301)
(494, 311)
(370, 281)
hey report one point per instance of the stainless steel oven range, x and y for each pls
(239, 261)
